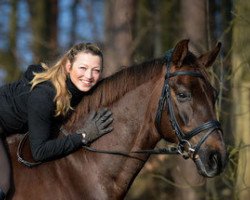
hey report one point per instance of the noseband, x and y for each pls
(184, 147)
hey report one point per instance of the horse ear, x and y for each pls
(180, 52)
(208, 58)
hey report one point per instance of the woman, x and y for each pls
(43, 98)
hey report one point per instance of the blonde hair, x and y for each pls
(57, 75)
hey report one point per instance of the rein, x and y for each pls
(168, 150)
(184, 147)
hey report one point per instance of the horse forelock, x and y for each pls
(112, 88)
(191, 60)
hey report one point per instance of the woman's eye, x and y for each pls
(83, 68)
(96, 70)
(182, 96)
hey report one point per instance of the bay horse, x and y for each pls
(167, 98)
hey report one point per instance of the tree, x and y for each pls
(43, 16)
(194, 23)
(241, 95)
(8, 59)
(119, 28)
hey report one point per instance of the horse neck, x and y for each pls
(134, 129)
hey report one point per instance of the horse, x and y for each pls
(167, 98)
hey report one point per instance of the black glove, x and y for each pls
(96, 125)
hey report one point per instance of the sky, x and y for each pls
(84, 28)
(86, 31)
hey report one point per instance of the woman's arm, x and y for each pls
(40, 118)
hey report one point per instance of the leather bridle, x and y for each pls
(184, 147)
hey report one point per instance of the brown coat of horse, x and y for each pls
(133, 95)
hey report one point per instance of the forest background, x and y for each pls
(133, 31)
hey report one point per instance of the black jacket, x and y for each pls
(22, 110)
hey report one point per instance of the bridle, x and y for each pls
(184, 147)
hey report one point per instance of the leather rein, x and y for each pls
(183, 148)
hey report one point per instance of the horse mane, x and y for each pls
(111, 88)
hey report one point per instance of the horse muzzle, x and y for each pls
(212, 164)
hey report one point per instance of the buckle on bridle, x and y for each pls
(185, 149)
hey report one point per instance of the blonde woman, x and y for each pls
(43, 98)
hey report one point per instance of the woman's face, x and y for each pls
(85, 71)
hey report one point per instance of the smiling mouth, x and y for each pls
(87, 83)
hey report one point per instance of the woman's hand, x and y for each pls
(96, 125)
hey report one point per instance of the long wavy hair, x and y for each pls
(57, 75)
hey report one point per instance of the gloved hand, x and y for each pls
(96, 125)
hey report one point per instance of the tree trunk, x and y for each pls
(8, 58)
(241, 94)
(44, 28)
(72, 31)
(222, 71)
(194, 18)
(119, 25)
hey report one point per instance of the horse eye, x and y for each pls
(182, 96)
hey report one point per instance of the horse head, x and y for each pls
(190, 101)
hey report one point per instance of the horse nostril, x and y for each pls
(210, 164)
(214, 162)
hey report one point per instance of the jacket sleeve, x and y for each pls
(40, 119)
(29, 73)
